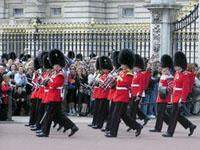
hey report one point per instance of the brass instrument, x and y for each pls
(109, 79)
(44, 82)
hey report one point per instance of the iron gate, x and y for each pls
(185, 35)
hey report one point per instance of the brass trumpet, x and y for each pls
(109, 79)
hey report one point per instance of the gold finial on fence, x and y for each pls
(92, 23)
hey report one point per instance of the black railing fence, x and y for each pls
(84, 38)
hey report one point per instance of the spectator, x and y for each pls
(71, 95)
(82, 96)
(5, 88)
(20, 78)
(20, 100)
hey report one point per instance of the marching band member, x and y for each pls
(121, 98)
(137, 89)
(111, 93)
(106, 66)
(180, 92)
(43, 91)
(165, 89)
(95, 93)
(55, 96)
(35, 102)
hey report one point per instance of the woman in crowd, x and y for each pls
(82, 96)
(71, 95)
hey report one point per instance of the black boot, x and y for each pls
(42, 134)
(59, 128)
(192, 128)
(167, 135)
(138, 131)
(154, 130)
(74, 129)
(145, 121)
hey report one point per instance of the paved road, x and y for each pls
(14, 136)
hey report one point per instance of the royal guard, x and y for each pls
(43, 90)
(112, 92)
(122, 95)
(95, 93)
(106, 66)
(55, 96)
(137, 88)
(37, 78)
(165, 90)
(181, 90)
(39, 90)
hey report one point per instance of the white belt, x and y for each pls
(58, 88)
(46, 90)
(121, 88)
(178, 89)
(135, 85)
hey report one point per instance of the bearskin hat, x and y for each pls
(36, 64)
(98, 64)
(105, 63)
(56, 57)
(4, 56)
(115, 55)
(180, 60)
(40, 58)
(126, 57)
(92, 55)
(139, 62)
(46, 63)
(166, 61)
(79, 56)
(71, 55)
(12, 56)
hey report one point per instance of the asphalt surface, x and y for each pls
(15, 136)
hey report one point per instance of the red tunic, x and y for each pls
(46, 90)
(191, 78)
(56, 83)
(147, 78)
(138, 84)
(41, 90)
(111, 94)
(34, 94)
(5, 88)
(181, 88)
(166, 80)
(96, 90)
(102, 95)
(123, 86)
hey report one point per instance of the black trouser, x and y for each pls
(120, 112)
(96, 109)
(35, 109)
(102, 112)
(134, 109)
(177, 115)
(54, 111)
(41, 115)
(162, 116)
(111, 109)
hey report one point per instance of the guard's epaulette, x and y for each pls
(185, 73)
(129, 73)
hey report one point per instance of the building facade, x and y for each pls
(24, 11)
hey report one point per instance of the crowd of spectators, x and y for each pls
(16, 75)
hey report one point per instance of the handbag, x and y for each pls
(163, 92)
